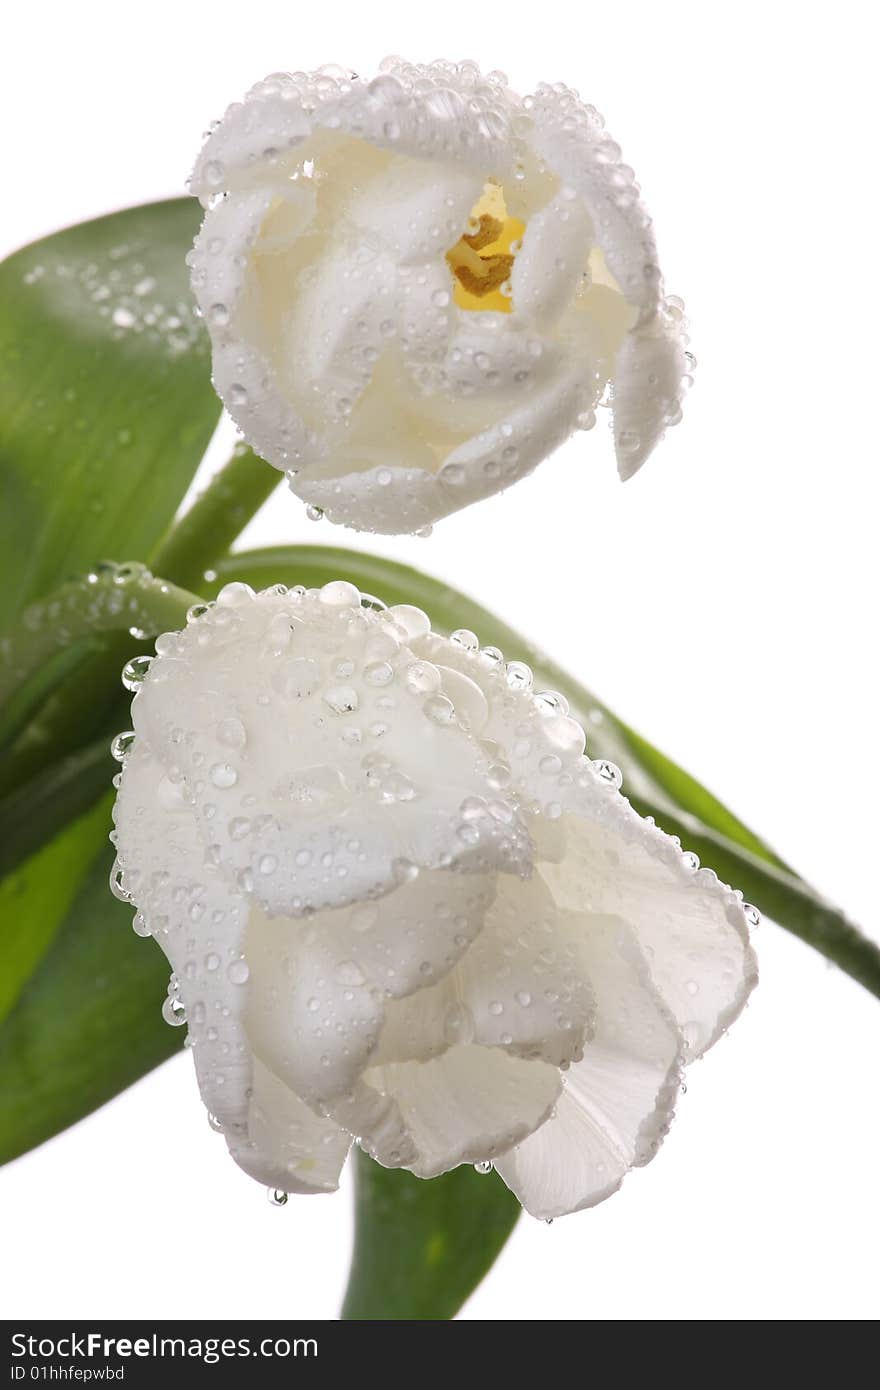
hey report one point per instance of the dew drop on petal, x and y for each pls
(223, 775)
(608, 772)
(173, 1011)
(238, 972)
(122, 745)
(135, 671)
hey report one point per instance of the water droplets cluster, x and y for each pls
(120, 286)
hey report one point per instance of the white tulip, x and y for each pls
(401, 905)
(418, 287)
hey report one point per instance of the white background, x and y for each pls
(724, 602)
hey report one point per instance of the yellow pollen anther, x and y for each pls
(482, 259)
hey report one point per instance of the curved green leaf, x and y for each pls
(35, 900)
(88, 1022)
(112, 599)
(421, 1247)
(46, 805)
(106, 405)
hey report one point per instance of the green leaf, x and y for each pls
(36, 898)
(115, 598)
(421, 1247)
(106, 405)
(34, 813)
(88, 1022)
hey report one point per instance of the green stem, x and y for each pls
(111, 599)
(215, 519)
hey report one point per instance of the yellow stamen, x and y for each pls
(482, 259)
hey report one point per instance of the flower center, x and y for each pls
(482, 259)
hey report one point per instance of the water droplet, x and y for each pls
(348, 972)
(379, 673)
(519, 675)
(218, 315)
(609, 772)
(752, 915)
(238, 972)
(422, 678)
(174, 1011)
(223, 775)
(342, 699)
(404, 870)
(340, 594)
(140, 926)
(439, 709)
(215, 1123)
(277, 1198)
(484, 1167)
(134, 672)
(122, 745)
(452, 474)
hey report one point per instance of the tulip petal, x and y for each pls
(197, 917)
(647, 392)
(616, 1104)
(466, 1106)
(690, 928)
(553, 261)
(599, 858)
(288, 1146)
(520, 986)
(339, 811)
(318, 988)
(393, 500)
(571, 139)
